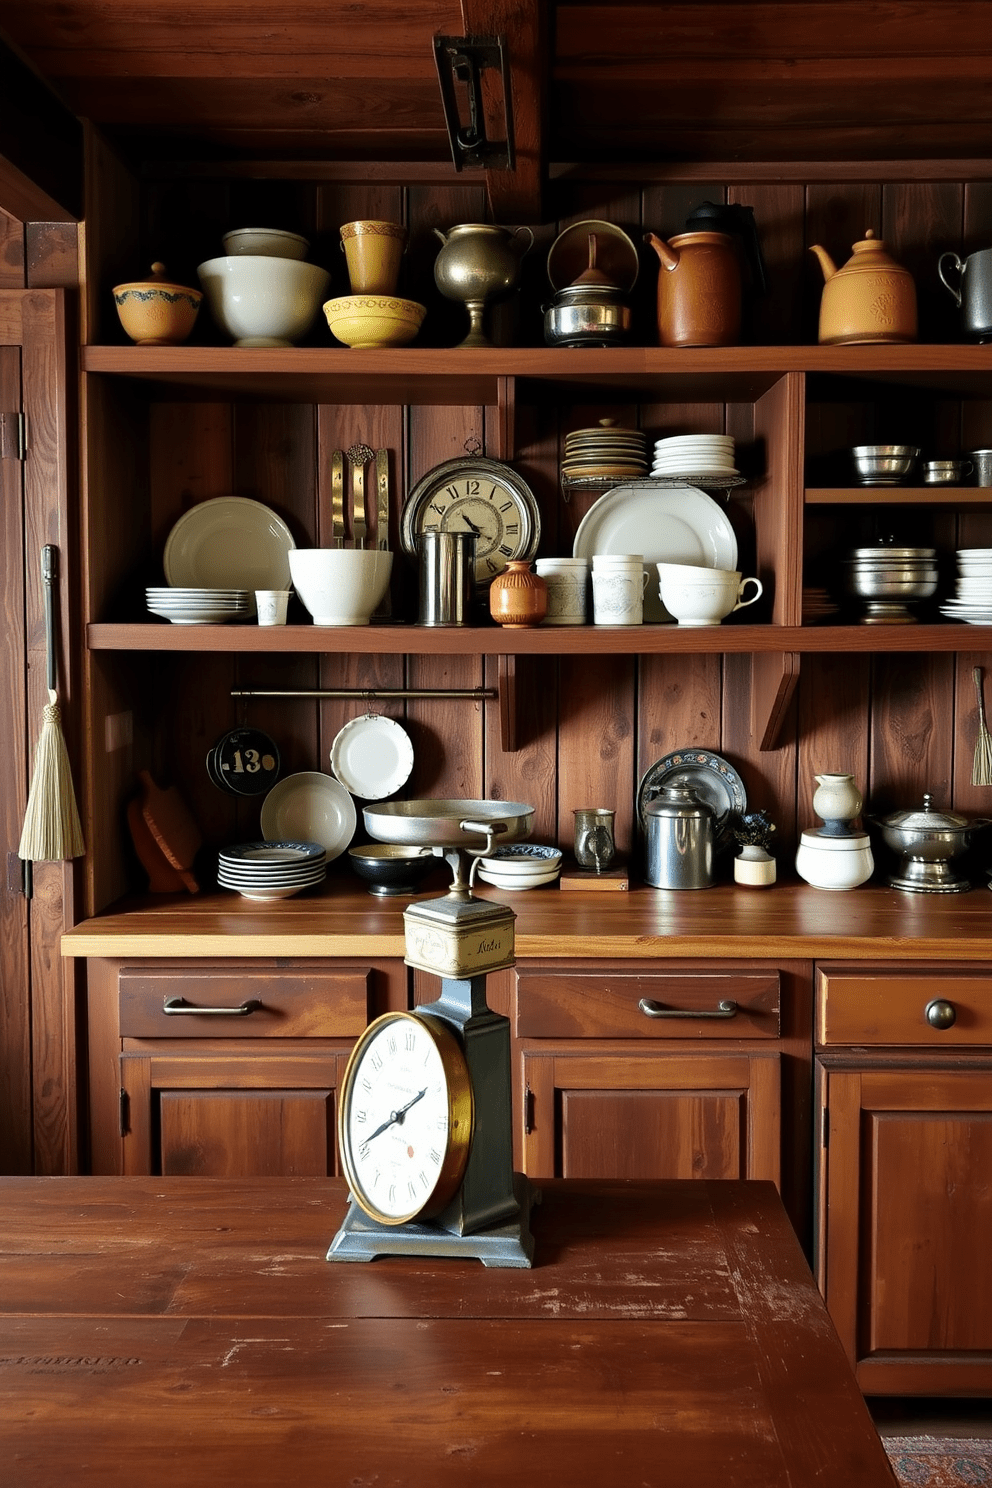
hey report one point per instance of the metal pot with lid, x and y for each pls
(928, 841)
(680, 839)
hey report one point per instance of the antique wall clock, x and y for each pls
(475, 494)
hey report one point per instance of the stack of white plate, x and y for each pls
(200, 606)
(271, 870)
(520, 865)
(605, 453)
(972, 600)
(694, 455)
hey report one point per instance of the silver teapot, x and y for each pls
(681, 833)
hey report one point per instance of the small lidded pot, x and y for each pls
(928, 841)
(156, 312)
(831, 862)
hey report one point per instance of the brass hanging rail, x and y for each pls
(369, 694)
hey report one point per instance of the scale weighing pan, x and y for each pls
(433, 823)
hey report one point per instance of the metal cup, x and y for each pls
(447, 569)
(595, 846)
(981, 461)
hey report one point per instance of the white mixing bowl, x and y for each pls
(340, 586)
(263, 301)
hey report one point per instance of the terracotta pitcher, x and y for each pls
(871, 299)
(699, 289)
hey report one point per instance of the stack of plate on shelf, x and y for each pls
(604, 453)
(818, 604)
(520, 865)
(200, 606)
(972, 600)
(696, 456)
(271, 870)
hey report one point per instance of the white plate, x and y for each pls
(262, 854)
(264, 894)
(674, 524)
(310, 807)
(372, 757)
(229, 542)
(969, 617)
(517, 885)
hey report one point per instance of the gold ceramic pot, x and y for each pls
(518, 597)
(871, 299)
(155, 312)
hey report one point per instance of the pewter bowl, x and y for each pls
(883, 464)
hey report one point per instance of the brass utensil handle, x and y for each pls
(175, 1007)
(358, 527)
(382, 498)
(651, 1009)
(337, 498)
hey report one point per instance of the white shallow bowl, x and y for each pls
(522, 858)
(516, 884)
(265, 242)
(341, 586)
(263, 301)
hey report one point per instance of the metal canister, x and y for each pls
(447, 568)
(680, 837)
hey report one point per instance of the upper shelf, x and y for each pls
(472, 375)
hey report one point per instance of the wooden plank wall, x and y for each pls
(902, 724)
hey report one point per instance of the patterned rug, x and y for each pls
(940, 1461)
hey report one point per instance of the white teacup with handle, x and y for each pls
(704, 596)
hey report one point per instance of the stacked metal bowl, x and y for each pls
(883, 464)
(890, 579)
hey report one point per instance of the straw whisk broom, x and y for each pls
(981, 770)
(52, 829)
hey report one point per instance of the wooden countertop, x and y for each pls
(190, 1330)
(786, 921)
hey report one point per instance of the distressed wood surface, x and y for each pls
(676, 1319)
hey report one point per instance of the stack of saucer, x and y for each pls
(818, 604)
(520, 865)
(604, 453)
(695, 455)
(972, 599)
(271, 870)
(199, 606)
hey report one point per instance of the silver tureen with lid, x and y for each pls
(927, 841)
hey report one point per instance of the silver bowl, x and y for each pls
(889, 586)
(883, 464)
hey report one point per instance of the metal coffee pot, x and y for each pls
(972, 293)
(680, 840)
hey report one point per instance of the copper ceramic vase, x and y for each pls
(518, 597)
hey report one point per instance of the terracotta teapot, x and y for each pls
(700, 286)
(871, 299)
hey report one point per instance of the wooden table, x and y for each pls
(191, 1331)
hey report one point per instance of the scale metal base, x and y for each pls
(508, 1245)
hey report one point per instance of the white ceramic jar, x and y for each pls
(834, 862)
(618, 584)
(567, 580)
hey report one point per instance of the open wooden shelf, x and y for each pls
(946, 496)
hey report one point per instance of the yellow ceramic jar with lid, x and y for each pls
(156, 312)
(871, 299)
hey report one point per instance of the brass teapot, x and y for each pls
(870, 299)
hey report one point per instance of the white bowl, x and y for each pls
(340, 586)
(269, 242)
(263, 301)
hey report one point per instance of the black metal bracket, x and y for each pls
(461, 61)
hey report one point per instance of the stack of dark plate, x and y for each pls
(606, 453)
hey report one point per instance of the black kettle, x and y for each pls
(736, 221)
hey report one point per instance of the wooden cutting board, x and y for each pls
(172, 828)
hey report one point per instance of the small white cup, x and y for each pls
(272, 605)
(618, 584)
(567, 580)
(703, 596)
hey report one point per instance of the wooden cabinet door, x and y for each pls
(214, 1114)
(627, 1113)
(905, 1221)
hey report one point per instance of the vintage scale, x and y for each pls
(424, 1117)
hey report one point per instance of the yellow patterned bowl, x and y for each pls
(154, 312)
(374, 320)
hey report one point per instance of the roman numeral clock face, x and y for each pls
(477, 495)
(405, 1118)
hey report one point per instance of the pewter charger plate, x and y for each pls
(713, 779)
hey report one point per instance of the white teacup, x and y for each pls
(618, 584)
(703, 596)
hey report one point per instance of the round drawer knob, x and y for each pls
(941, 1014)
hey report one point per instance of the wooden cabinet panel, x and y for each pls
(318, 1002)
(862, 1005)
(197, 1111)
(607, 1004)
(637, 1114)
(905, 1216)
(241, 1134)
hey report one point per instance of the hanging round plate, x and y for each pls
(244, 762)
(372, 757)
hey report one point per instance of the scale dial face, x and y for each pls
(405, 1118)
(473, 494)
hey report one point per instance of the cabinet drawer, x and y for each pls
(864, 1005)
(608, 1004)
(331, 1002)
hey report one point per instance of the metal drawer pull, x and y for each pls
(178, 1006)
(652, 1009)
(941, 1014)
